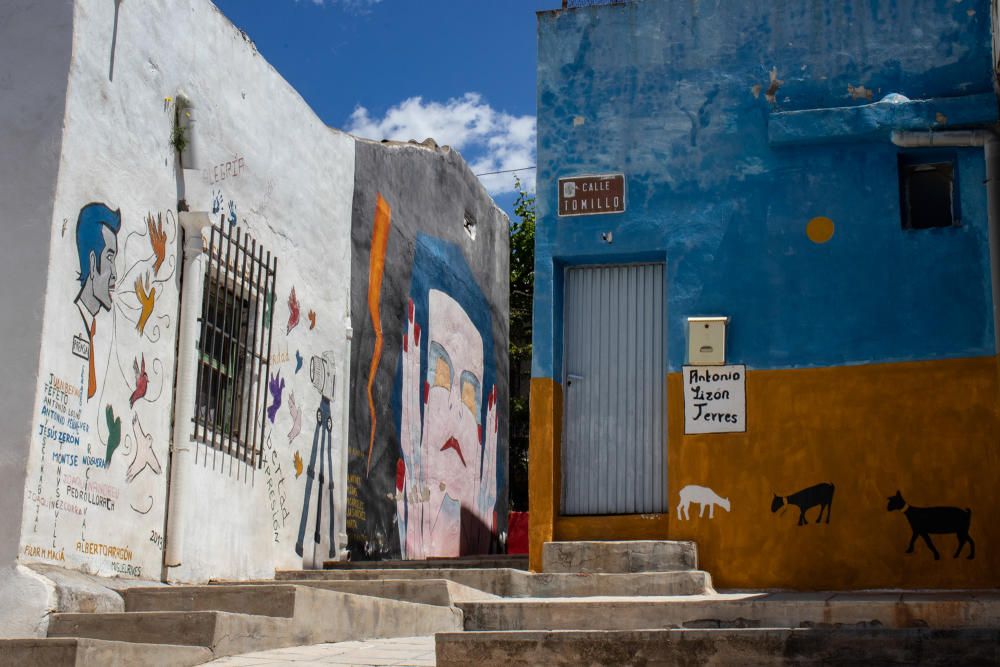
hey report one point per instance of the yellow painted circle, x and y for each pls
(820, 229)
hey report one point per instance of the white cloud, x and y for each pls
(360, 6)
(490, 140)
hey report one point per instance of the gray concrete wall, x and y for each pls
(35, 46)
(412, 491)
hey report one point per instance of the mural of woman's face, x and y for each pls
(451, 440)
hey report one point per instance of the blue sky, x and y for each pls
(460, 71)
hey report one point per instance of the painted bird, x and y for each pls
(297, 460)
(145, 457)
(298, 361)
(157, 239)
(312, 319)
(141, 381)
(293, 311)
(275, 385)
(114, 433)
(296, 418)
(147, 299)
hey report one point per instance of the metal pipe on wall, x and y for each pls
(345, 434)
(949, 138)
(182, 447)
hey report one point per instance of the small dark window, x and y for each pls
(470, 225)
(927, 193)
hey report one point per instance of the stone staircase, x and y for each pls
(190, 625)
(597, 603)
(697, 627)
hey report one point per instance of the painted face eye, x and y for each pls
(472, 393)
(439, 368)
(442, 374)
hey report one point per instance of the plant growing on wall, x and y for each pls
(522, 288)
(178, 135)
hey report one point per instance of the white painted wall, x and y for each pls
(289, 182)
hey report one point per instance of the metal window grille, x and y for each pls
(234, 348)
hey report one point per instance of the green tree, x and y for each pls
(522, 288)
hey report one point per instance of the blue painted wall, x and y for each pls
(664, 91)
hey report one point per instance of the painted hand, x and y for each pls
(409, 477)
(296, 412)
(486, 498)
(157, 239)
(275, 385)
(147, 300)
(114, 432)
(145, 457)
(293, 311)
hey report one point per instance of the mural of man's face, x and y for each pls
(451, 415)
(102, 271)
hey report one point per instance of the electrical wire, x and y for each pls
(505, 171)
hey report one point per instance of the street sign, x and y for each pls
(592, 195)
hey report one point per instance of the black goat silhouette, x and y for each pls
(821, 494)
(927, 521)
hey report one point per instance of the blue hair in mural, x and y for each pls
(446, 407)
(440, 265)
(90, 235)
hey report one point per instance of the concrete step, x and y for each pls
(758, 646)
(619, 557)
(489, 580)
(265, 600)
(436, 592)
(279, 615)
(518, 562)
(547, 585)
(223, 633)
(517, 583)
(74, 652)
(743, 610)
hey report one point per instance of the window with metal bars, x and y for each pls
(234, 348)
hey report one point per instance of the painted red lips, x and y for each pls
(453, 444)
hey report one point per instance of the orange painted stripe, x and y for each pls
(376, 268)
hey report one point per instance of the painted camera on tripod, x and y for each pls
(324, 378)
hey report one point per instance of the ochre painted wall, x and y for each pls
(545, 410)
(927, 429)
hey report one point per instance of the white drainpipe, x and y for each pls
(345, 399)
(182, 451)
(991, 143)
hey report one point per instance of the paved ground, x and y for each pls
(414, 651)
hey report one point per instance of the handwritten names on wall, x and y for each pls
(715, 399)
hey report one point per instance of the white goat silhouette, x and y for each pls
(702, 495)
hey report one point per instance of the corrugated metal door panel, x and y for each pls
(614, 444)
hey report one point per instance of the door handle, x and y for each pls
(570, 377)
